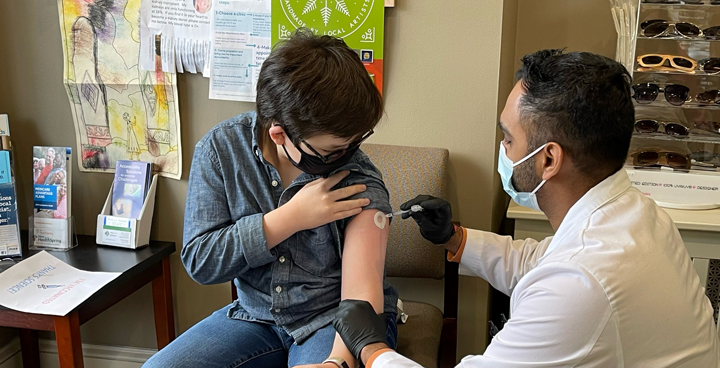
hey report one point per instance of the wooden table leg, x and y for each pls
(163, 306)
(67, 335)
(30, 348)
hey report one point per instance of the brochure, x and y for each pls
(52, 196)
(9, 226)
(132, 182)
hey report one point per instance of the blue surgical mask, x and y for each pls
(505, 168)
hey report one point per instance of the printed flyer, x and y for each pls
(43, 284)
(240, 45)
(361, 23)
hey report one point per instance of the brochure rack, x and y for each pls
(126, 232)
(52, 234)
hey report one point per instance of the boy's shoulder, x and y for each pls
(361, 164)
(238, 128)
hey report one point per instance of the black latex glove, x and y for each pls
(435, 220)
(359, 326)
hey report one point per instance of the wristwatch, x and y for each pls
(340, 362)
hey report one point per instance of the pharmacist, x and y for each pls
(615, 286)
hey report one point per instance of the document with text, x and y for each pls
(43, 284)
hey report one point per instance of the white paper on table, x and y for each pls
(240, 44)
(43, 284)
(173, 20)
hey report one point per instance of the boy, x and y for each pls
(261, 210)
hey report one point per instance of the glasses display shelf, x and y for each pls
(674, 155)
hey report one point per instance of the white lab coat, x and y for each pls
(614, 287)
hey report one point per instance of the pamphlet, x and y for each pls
(52, 196)
(132, 182)
(43, 284)
(9, 226)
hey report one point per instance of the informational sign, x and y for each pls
(43, 284)
(240, 45)
(361, 23)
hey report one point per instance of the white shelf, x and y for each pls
(708, 220)
(693, 138)
(661, 102)
(707, 4)
(691, 40)
(698, 73)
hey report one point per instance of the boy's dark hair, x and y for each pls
(581, 101)
(317, 85)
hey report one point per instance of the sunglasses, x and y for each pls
(647, 126)
(681, 63)
(708, 97)
(708, 126)
(335, 155)
(704, 158)
(675, 94)
(674, 160)
(712, 33)
(674, 1)
(711, 65)
(655, 28)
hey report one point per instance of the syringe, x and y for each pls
(414, 208)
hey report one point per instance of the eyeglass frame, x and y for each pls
(664, 124)
(668, 57)
(661, 154)
(707, 126)
(701, 64)
(670, 25)
(328, 159)
(660, 90)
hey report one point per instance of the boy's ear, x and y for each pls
(277, 134)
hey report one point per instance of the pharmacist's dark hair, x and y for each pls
(314, 85)
(581, 101)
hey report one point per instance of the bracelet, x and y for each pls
(340, 362)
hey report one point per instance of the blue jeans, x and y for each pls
(222, 342)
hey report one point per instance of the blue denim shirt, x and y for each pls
(295, 285)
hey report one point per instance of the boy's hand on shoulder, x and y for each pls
(316, 204)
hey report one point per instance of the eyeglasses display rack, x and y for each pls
(675, 150)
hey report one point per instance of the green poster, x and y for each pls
(361, 23)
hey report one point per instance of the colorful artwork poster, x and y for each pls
(120, 111)
(361, 23)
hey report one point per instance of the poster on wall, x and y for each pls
(120, 111)
(361, 23)
(240, 45)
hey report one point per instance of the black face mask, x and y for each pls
(315, 166)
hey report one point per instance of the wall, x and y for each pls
(585, 25)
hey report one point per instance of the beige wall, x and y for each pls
(445, 63)
(579, 25)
